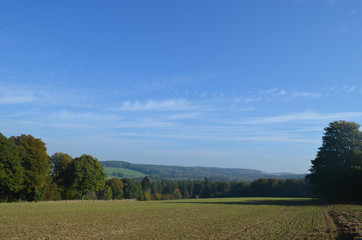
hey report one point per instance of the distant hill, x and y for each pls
(159, 172)
(122, 173)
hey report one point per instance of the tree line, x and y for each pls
(263, 187)
(28, 173)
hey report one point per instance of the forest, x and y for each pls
(27, 173)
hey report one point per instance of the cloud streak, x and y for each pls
(153, 105)
(312, 116)
(6, 99)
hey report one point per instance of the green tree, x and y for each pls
(51, 190)
(336, 172)
(11, 170)
(116, 186)
(60, 163)
(146, 184)
(86, 175)
(36, 165)
(131, 189)
(106, 193)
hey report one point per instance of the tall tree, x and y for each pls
(336, 172)
(116, 186)
(36, 164)
(146, 184)
(60, 164)
(11, 170)
(87, 175)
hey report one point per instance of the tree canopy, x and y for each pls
(36, 164)
(87, 174)
(336, 172)
(11, 169)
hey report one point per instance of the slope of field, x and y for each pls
(237, 218)
(159, 172)
(122, 172)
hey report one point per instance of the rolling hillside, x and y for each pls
(159, 172)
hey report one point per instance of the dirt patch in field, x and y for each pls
(348, 223)
(262, 221)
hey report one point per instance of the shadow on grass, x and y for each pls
(275, 202)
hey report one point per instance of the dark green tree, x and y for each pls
(59, 163)
(116, 186)
(146, 184)
(131, 189)
(86, 175)
(336, 172)
(36, 165)
(60, 173)
(106, 193)
(11, 170)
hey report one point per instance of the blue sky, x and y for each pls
(242, 84)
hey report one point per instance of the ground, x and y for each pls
(232, 218)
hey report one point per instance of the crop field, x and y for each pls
(232, 218)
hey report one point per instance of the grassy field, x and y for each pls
(234, 218)
(128, 173)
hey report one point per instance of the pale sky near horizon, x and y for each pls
(240, 84)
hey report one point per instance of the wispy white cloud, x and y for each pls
(351, 89)
(280, 94)
(16, 98)
(72, 116)
(153, 105)
(184, 116)
(302, 117)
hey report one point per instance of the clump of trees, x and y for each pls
(336, 172)
(28, 173)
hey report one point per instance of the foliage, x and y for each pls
(59, 163)
(146, 184)
(106, 193)
(84, 178)
(36, 164)
(11, 170)
(51, 191)
(116, 186)
(146, 196)
(87, 175)
(336, 172)
(157, 196)
(205, 189)
(131, 189)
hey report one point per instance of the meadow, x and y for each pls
(127, 173)
(223, 218)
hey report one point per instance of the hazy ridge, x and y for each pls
(158, 172)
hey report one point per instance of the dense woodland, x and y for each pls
(28, 173)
